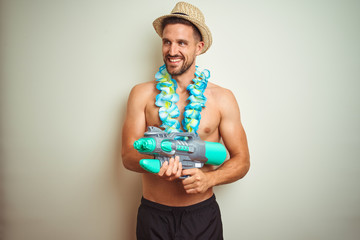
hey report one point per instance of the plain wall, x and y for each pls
(66, 71)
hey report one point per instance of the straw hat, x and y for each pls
(191, 13)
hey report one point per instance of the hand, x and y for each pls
(171, 170)
(197, 182)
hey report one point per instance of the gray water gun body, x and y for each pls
(192, 151)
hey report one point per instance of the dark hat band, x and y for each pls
(179, 13)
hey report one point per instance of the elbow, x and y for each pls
(128, 164)
(125, 164)
(244, 166)
(130, 161)
(125, 160)
(246, 169)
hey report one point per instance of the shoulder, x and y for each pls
(224, 100)
(141, 92)
(144, 88)
(219, 93)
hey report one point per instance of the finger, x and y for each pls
(191, 186)
(163, 168)
(176, 165)
(190, 171)
(171, 165)
(195, 188)
(191, 191)
(178, 173)
(188, 180)
(196, 177)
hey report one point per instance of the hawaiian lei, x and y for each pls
(168, 98)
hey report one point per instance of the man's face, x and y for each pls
(179, 48)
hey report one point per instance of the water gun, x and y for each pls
(192, 151)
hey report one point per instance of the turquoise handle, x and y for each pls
(151, 165)
(215, 153)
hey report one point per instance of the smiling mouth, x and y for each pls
(174, 59)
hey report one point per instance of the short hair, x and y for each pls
(176, 20)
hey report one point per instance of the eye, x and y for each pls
(166, 42)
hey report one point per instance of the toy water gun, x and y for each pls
(192, 151)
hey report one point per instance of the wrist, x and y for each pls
(212, 176)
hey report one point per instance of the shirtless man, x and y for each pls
(220, 119)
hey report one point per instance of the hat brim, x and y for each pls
(204, 30)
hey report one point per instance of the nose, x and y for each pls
(173, 50)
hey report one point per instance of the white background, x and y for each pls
(66, 71)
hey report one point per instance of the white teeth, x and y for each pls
(174, 60)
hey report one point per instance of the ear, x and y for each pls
(199, 47)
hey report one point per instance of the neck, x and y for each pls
(185, 79)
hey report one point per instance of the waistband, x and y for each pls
(166, 208)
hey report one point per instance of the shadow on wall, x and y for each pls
(130, 190)
(2, 157)
(2, 196)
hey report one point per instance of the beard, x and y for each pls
(183, 68)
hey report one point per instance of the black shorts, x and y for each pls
(201, 221)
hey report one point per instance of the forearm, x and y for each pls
(232, 170)
(131, 158)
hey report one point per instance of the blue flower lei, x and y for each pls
(167, 99)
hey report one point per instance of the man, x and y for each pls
(173, 208)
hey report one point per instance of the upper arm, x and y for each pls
(135, 122)
(231, 129)
(135, 113)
